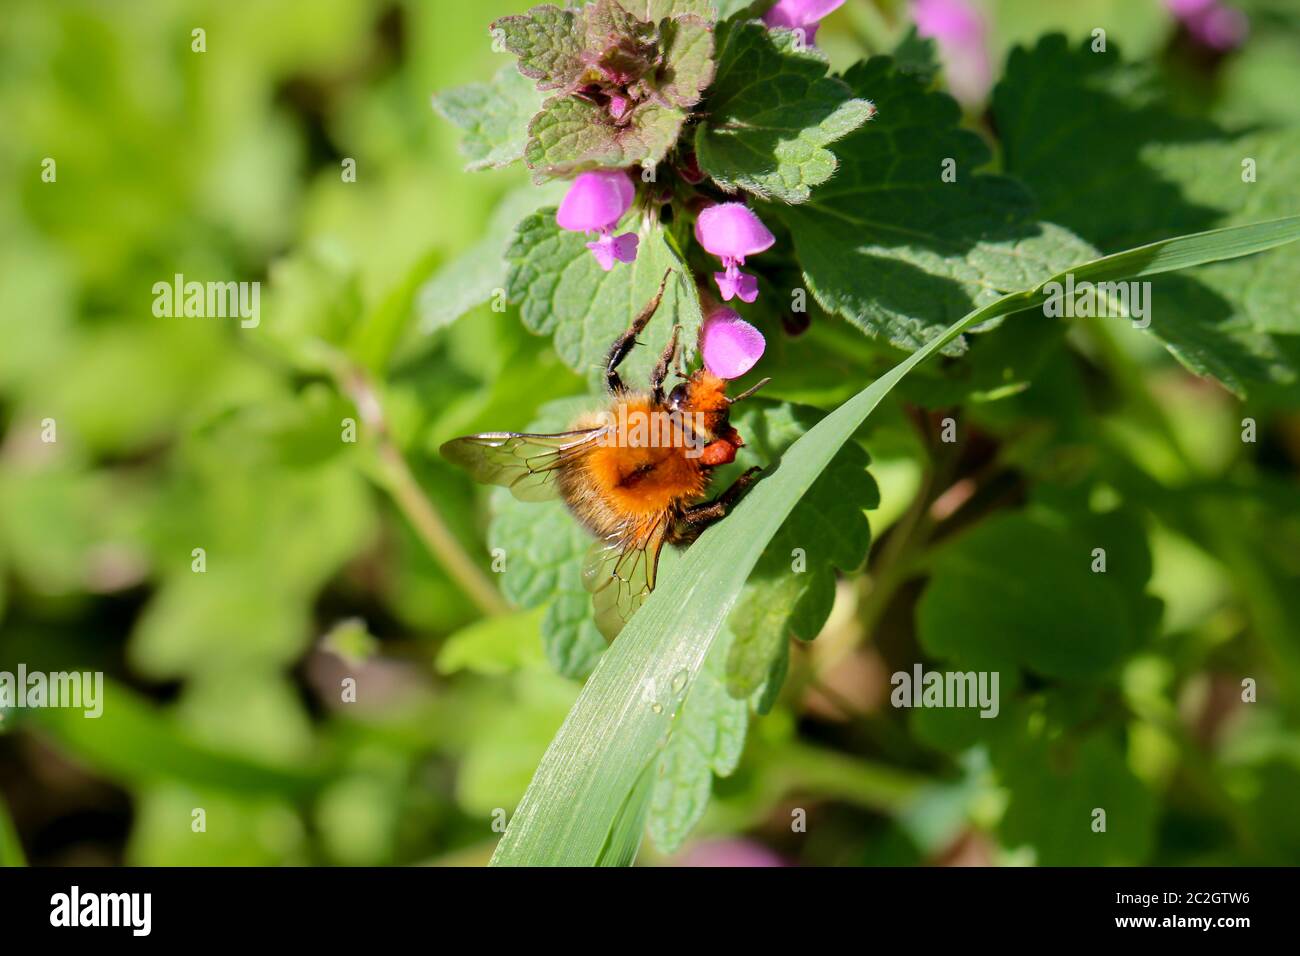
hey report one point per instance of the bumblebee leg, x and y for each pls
(681, 366)
(661, 370)
(624, 343)
(696, 518)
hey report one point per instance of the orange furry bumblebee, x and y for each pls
(635, 474)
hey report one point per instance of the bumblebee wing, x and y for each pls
(620, 572)
(526, 464)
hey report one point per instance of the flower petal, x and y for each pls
(732, 230)
(596, 200)
(800, 14)
(625, 247)
(604, 251)
(729, 344)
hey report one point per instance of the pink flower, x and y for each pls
(595, 202)
(733, 852)
(802, 15)
(607, 249)
(619, 105)
(731, 231)
(729, 344)
(960, 32)
(1211, 23)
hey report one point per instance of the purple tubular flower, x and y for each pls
(595, 202)
(731, 231)
(729, 853)
(608, 249)
(805, 15)
(1210, 22)
(729, 344)
(959, 30)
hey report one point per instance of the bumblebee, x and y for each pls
(635, 474)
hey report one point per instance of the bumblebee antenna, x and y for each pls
(747, 392)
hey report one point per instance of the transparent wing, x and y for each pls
(620, 571)
(526, 464)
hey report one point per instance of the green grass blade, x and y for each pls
(575, 807)
(1183, 252)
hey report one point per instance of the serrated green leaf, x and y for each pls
(792, 588)
(1164, 172)
(494, 116)
(548, 41)
(917, 55)
(562, 291)
(575, 801)
(570, 135)
(986, 607)
(665, 64)
(544, 548)
(895, 249)
(472, 277)
(707, 738)
(771, 113)
(687, 69)
(655, 10)
(1056, 791)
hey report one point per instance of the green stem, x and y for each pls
(400, 483)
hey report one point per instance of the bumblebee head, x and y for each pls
(705, 395)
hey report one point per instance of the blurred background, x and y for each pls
(223, 687)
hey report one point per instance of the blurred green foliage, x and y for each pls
(224, 687)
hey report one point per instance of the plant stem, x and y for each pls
(406, 492)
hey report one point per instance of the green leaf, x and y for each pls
(548, 41)
(792, 588)
(771, 113)
(611, 735)
(315, 296)
(570, 135)
(1056, 790)
(895, 249)
(505, 743)
(11, 848)
(573, 807)
(134, 742)
(917, 55)
(663, 54)
(986, 607)
(544, 548)
(562, 291)
(655, 10)
(707, 738)
(472, 277)
(726, 9)
(493, 645)
(1165, 172)
(687, 69)
(494, 116)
